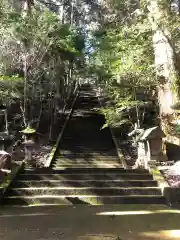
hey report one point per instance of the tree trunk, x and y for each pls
(164, 55)
(61, 12)
(26, 11)
(25, 88)
(175, 6)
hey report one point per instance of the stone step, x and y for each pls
(95, 153)
(58, 166)
(108, 210)
(85, 176)
(88, 140)
(85, 183)
(86, 161)
(41, 200)
(96, 150)
(102, 191)
(91, 149)
(90, 144)
(86, 137)
(74, 158)
(85, 171)
(35, 201)
(80, 146)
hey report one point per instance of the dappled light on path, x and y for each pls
(138, 212)
(99, 237)
(82, 222)
(166, 235)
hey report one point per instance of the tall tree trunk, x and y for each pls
(175, 6)
(164, 54)
(61, 12)
(26, 11)
(72, 13)
(25, 87)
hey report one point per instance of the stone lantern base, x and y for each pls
(28, 147)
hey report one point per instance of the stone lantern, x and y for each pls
(29, 143)
(150, 150)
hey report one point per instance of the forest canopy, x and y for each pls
(130, 48)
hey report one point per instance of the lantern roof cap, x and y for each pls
(152, 133)
(28, 130)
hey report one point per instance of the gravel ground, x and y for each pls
(129, 152)
(172, 174)
(40, 153)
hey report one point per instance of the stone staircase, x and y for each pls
(86, 169)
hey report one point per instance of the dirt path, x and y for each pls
(111, 222)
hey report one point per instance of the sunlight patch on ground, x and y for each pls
(156, 235)
(98, 237)
(26, 214)
(138, 212)
(166, 235)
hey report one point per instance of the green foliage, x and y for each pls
(122, 108)
(128, 54)
(11, 88)
(48, 47)
(124, 55)
(177, 128)
(114, 117)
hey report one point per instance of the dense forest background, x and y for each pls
(130, 49)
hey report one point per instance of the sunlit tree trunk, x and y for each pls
(175, 6)
(61, 12)
(70, 67)
(27, 6)
(164, 54)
